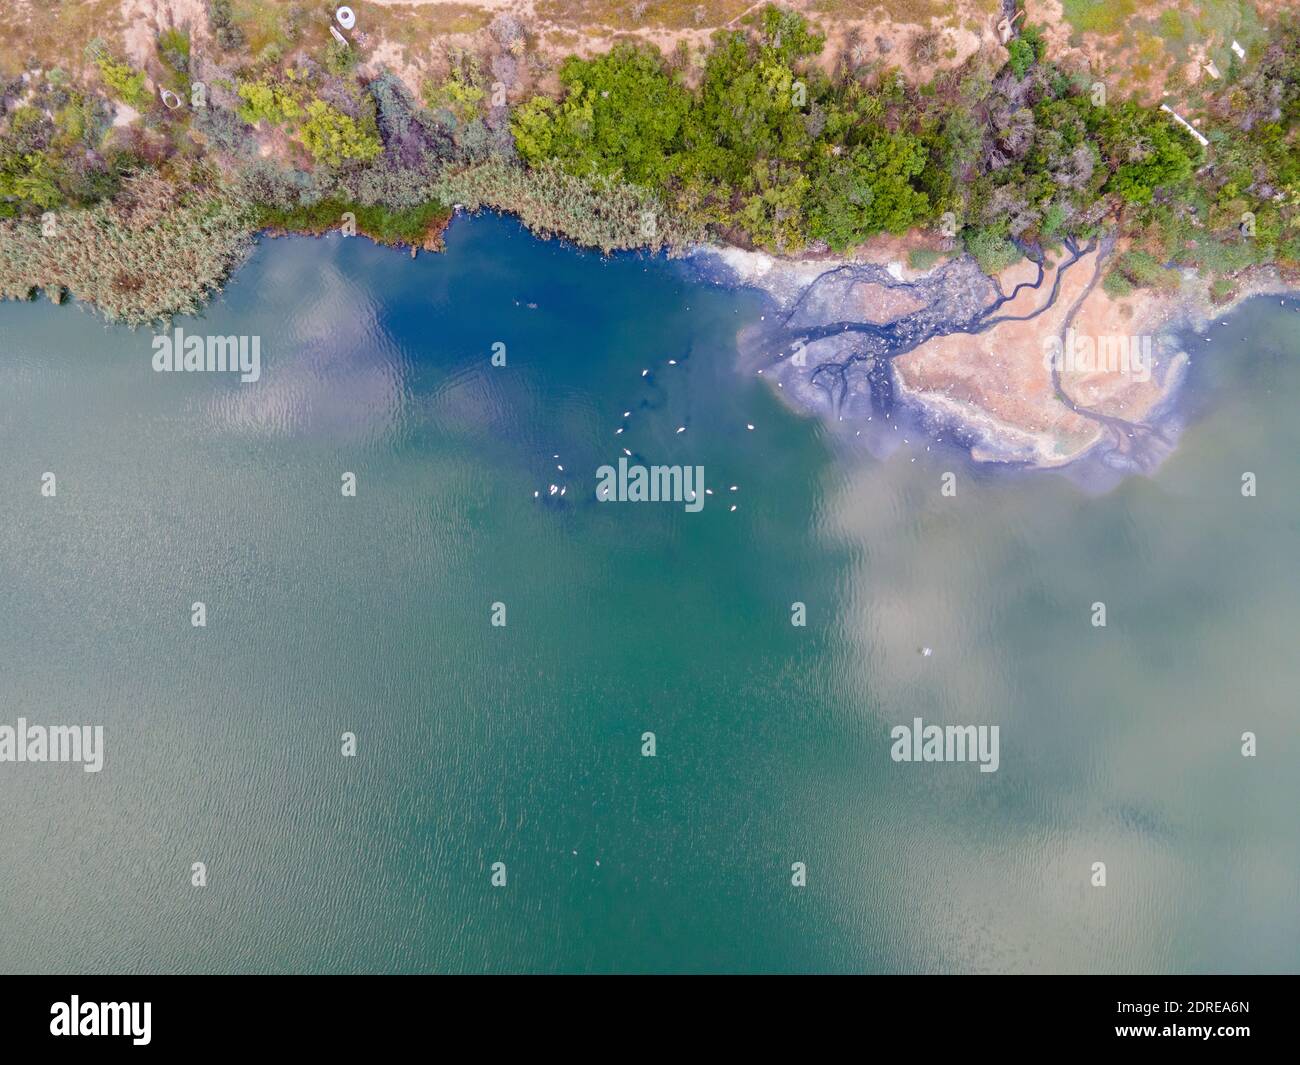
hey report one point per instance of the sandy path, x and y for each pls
(487, 5)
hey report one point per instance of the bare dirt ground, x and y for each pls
(1152, 48)
(143, 20)
(411, 37)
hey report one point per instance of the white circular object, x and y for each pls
(170, 99)
(345, 17)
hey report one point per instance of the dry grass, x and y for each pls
(915, 12)
(631, 15)
(1141, 45)
(413, 26)
(56, 32)
(1105, 17)
(260, 22)
(562, 40)
(141, 258)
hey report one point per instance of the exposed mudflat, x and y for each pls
(976, 358)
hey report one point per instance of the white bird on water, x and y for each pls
(681, 428)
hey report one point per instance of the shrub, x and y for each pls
(412, 137)
(462, 98)
(125, 82)
(1021, 56)
(223, 129)
(27, 179)
(222, 20)
(990, 249)
(1140, 268)
(334, 138)
(174, 49)
(924, 47)
(274, 102)
(1116, 285)
(1221, 290)
(340, 60)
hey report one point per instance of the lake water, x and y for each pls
(522, 744)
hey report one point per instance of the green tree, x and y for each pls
(869, 190)
(1021, 56)
(335, 138)
(621, 115)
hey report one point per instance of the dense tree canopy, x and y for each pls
(622, 115)
(768, 148)
(750, 140)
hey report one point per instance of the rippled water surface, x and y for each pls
(481, 744)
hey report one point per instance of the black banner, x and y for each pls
(141, 1015)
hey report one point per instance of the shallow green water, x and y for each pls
(522, 744)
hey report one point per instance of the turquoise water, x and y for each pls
(522, 744)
